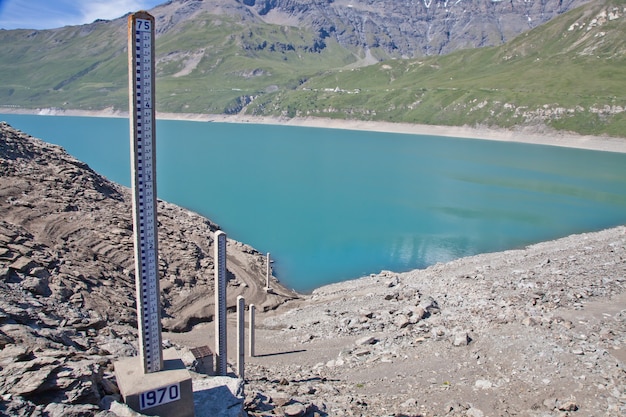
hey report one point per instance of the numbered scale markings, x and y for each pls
(141, 74)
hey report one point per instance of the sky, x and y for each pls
(49, 14)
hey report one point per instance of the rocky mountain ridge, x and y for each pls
(390, 28)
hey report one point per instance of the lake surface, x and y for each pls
(332, 205)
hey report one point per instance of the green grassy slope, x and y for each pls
(569, 74)
(66, 67)
(233, 64)
(209, 64)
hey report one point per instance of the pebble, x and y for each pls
(294, 410)
(483, 384)
(367, 340)
(568, 405)
(461, 338)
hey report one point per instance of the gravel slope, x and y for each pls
(535, 332)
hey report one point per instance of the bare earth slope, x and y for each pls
(533, 332)
(85, 222)
(67, 275)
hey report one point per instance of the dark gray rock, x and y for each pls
(38, 286)
(295, 409)
(66, 410)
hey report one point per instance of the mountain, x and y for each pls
(383, 29)
(568, 74)
(265, 58)
(412, 28)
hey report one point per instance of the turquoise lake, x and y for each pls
(332, 205)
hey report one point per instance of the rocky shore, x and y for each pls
(535, 332)
(67, 277)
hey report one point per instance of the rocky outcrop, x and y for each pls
(76, 234)
(413, 28)
(387, 28)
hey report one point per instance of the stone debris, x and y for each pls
(460, 338)
(529, 329)
(218, 396)
(367, 340)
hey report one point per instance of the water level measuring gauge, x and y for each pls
(143, 150)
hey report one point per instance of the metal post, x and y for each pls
(268, 273)
(148, 384)
(220, 303)
(251, 334)
(141, 59)
(241, 306)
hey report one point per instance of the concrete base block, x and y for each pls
(167, 393)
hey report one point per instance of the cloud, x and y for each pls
(46, 14)
(109, 9)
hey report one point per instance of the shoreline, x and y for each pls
(524, 135)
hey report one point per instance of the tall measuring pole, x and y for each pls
(251, 327)
(268, 269)
(220, 303)
(143, 150)
(241, 324)
(148, 384)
